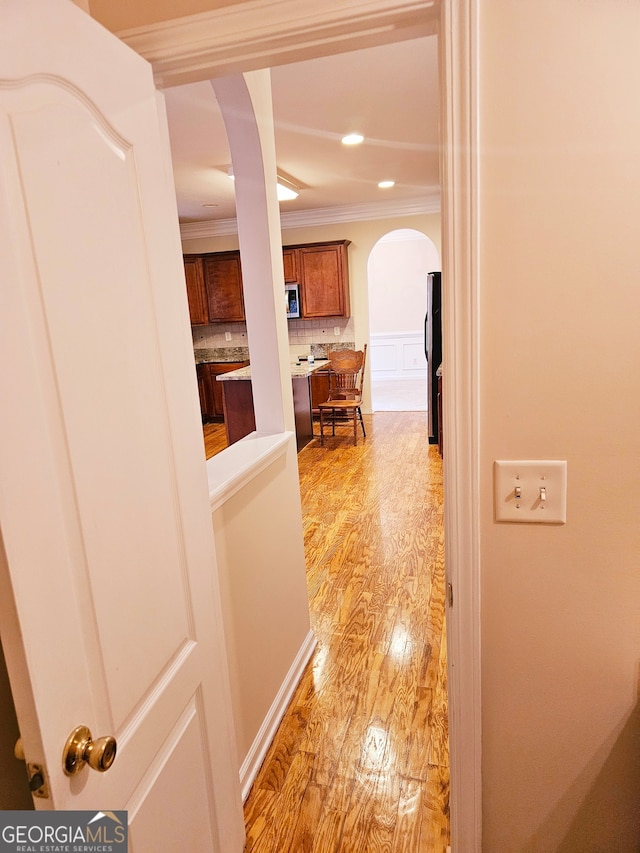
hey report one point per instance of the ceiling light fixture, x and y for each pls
(385, 185)
(287, 190)
(352, 139)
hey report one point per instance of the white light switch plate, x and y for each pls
(531, 490)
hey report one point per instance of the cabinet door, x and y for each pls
(290, 263)
(202, 393)
(223, 281)
(205, 390)
(324, 280)
(216, 389)
(196, 293)
(319, 387)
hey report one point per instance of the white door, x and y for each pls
(109, 610)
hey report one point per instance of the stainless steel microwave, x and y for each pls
(292, 294)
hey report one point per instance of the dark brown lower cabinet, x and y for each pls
(319, 388)
(210, 389)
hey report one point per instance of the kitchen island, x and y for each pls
(237, 399)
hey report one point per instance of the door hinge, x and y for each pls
(450, 594)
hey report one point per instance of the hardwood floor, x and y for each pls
(215, 438)
(360, 761)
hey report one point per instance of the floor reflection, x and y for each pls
(361, 758)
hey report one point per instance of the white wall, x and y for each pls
(397, 269)
(560, 378)
(261, 562)
(398, 265)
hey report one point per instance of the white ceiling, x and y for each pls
(387, 93)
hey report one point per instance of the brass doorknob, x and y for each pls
(81, 749)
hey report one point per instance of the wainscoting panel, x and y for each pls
(398, 355)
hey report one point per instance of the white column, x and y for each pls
(245, 102)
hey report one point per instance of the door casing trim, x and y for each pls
(461, 360)
(204, 46)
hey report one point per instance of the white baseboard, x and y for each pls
(262, 741)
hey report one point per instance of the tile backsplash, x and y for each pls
(215, 336)
(304, 335)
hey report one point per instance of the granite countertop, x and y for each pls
(297, 370)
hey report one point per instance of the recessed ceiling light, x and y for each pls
(352, 139)
(384, 185)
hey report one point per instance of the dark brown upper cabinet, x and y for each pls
(214, 282)
(324, 280)
(196, 293)
(223, 283)
(290, 263)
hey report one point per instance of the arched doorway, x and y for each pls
(397, 284)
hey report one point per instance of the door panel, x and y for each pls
(103, 343)
(153, 826)
(110, 612)
(223, 282)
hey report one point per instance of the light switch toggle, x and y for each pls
(531, 490)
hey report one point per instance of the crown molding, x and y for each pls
(262, 33)
(319, 216)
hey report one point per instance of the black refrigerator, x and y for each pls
(433, 349)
